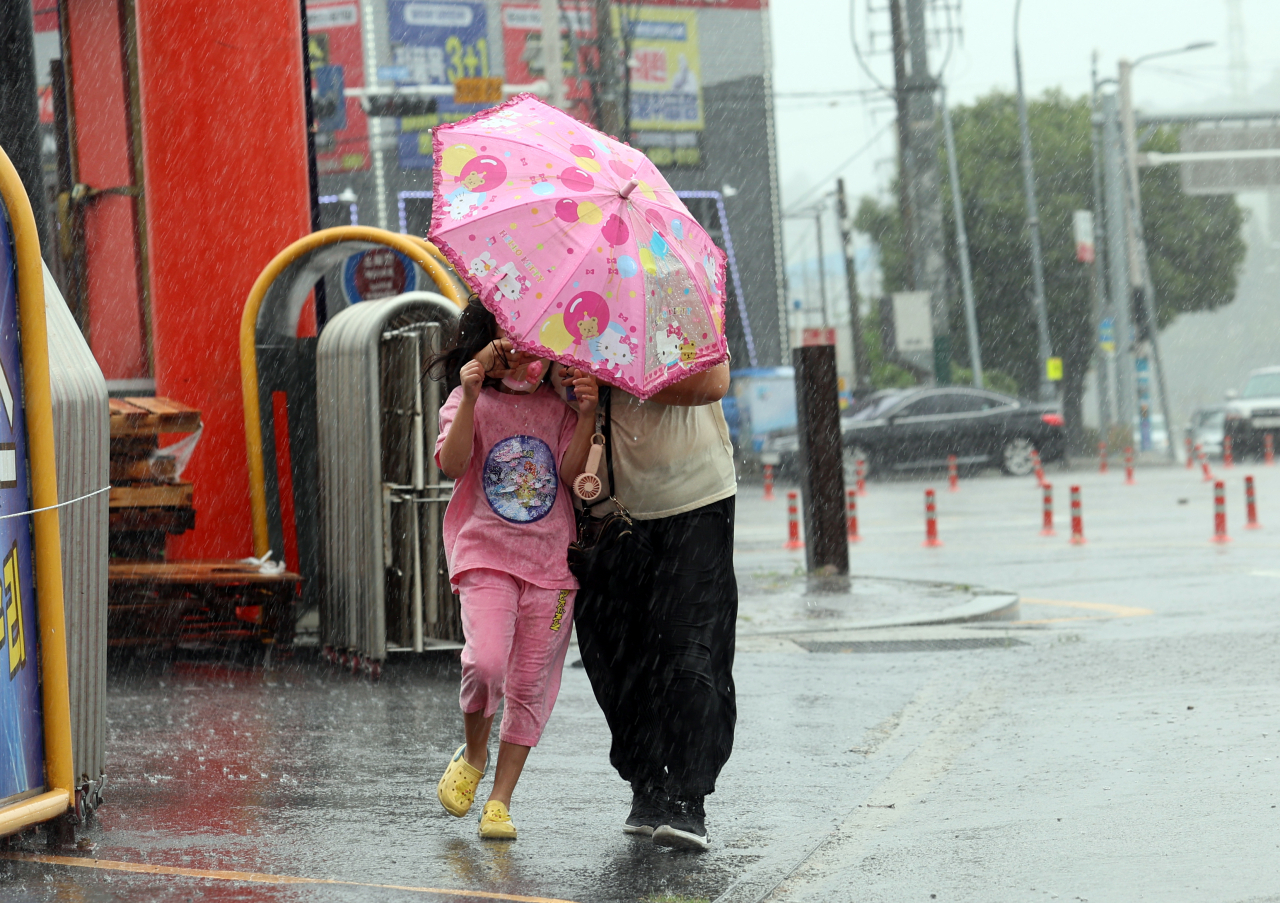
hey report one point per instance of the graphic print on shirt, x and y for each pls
(520, 479)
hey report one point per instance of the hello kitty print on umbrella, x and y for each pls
(578, 245)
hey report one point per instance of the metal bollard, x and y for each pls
(1077, 518)
(953, 474)
(851, 506)
(1250, 505)
(793, 522)
(1047, 528)
(1220, 513)
(768, 482)
(931, 519)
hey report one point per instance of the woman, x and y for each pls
(657, 641)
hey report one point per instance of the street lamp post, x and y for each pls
(1045, 348)
(1139, 267)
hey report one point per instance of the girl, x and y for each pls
(513, 447)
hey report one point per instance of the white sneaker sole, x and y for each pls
(645, 830)
(667, 836)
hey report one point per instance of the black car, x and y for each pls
(904, 429)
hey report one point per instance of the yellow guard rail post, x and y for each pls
(55, 694)
(420, 251)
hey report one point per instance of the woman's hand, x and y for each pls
(586, 389)
(500, 359)
(472, 377)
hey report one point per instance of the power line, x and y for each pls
(798, 202)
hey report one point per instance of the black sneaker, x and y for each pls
(648, 810)
(685, 827)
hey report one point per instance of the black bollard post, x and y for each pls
(821, 465)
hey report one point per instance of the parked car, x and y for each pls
(1249, 418)
(1206, 429)
(905, 429)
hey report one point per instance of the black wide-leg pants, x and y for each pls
(657, 641)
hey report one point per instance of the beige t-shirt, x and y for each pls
(669, 459)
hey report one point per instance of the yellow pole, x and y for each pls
(59, 769)
(416, 249)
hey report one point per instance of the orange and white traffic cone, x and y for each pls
(793, 522)
(1220, 513)
(931, 519)
(1250, 505)
(1077, 518)
(1047, 528)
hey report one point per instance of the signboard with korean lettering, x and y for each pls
(379, 273)
(434, 42)
(335, 52)
(21, 711)
(666, 74)
(522, 50)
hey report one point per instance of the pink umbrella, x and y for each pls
(578, 245)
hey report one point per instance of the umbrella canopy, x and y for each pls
(578, 245)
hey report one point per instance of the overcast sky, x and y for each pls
(812, 52)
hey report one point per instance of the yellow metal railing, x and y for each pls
(38, 402)
(420, 251)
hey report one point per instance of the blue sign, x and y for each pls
(437, 43)
(327, 81)
(378, 273)
(21, 721)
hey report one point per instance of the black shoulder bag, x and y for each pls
(603, 539)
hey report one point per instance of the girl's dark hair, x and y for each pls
(477, 327)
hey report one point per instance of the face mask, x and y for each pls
(527, 378)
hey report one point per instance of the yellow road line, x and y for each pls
(259, 877)
(1107, 611)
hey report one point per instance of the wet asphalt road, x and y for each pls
(1119, 743)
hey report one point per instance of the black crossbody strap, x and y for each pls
(608, 436)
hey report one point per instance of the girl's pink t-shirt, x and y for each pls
(510, 511)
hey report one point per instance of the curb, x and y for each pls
(986, 605)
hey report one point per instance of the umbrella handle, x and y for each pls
(586, 485)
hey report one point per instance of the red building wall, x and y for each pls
(224, 150)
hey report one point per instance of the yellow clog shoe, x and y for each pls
(495, 823)
(457, 789)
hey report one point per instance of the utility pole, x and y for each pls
(899, 34)
(822, 265)
(1117, 259)
(1102, 307)
(861, 366)
(552, 53)
(928, 260)
(1139, 271)
(607, 85)
(19, 107)
(962, 243)
(1048, 392)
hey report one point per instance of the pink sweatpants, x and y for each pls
(517, 635)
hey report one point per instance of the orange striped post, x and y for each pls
(1102, 457)
(953, 474)
(862, 476)
(851, 507)
(931, 519)
(1077, 518)
(1204, 465)
(793, 522)
(1047, 528)
(1227, 459)
(1191, 455)
(1268, 450)
(1250, 505)
(1220, 513)
(1128, 466)
(768, 482)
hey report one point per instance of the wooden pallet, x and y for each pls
(151, 417)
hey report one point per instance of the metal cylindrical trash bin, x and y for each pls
(382, 499)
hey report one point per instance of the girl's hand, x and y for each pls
(586, 389)
(472, 376)
(500, 359)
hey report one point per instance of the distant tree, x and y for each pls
(1194, 243)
